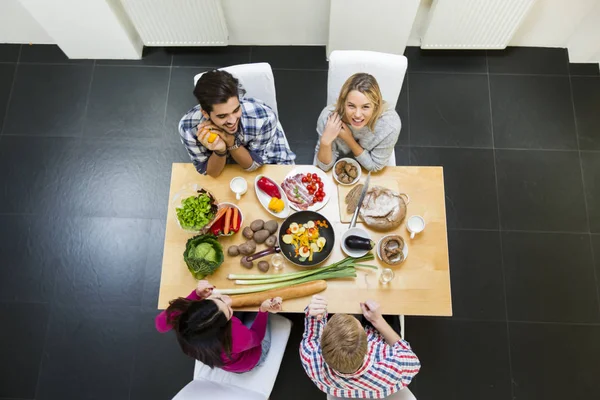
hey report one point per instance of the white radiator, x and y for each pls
(473, 24)
(178, 22)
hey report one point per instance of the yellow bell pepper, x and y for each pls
(212, 137)
(276, 205)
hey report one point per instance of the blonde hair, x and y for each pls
(367, 85)
(344, 343)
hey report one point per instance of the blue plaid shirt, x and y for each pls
(259, 132)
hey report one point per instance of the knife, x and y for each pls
(360, 201)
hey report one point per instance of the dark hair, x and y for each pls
(202, 330)
(216, 87)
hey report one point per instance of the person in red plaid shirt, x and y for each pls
(346, 360)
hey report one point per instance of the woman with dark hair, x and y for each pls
(208, 331)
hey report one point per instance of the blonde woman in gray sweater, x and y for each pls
(358, 125)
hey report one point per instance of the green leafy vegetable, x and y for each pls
(203, 255)
(345, 268)
(196, 211)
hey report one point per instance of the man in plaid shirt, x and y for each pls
(224, 126)
(346, 360)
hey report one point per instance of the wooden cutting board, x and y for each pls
(344, 190)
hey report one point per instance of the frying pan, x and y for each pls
(302, 217)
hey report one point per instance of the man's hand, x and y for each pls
(372, 311)
(204, 289)
(332, 129)
(208, 133)
(317, 307)
(271, 305)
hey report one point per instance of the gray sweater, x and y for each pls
(378, 144)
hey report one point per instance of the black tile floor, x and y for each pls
(85, 155)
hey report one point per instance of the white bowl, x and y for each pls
(221, 205)
(264, 198)
(351, 161)
(356, 232)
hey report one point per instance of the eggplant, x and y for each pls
(359, 243)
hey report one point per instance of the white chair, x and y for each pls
(404, 394)
(254, 385)
(388, 69)
(257, 79)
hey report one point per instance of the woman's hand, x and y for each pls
(346, 134)
(271, 305)
(317, 307)
(332, 129)
(204, 289)
(205, 131)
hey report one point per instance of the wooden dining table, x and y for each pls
(421, 284)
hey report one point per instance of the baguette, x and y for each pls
(290, 292)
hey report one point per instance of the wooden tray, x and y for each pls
(344, 190)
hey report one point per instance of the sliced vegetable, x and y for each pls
(269, 187)
(290, 292)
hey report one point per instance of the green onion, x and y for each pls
(341, 269)
(253, 289)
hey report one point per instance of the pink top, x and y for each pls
(245, 343)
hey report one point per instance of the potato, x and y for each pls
(245, 263)
(263, 266)
(261, 236)
(271, 226)
(248, 232)
(257, 225)
(271, 241)
(247, 248)
(233, 251)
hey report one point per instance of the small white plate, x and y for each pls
(264, 198)
(353, 162)
(356, 232)
(404, 249)
(328, 185)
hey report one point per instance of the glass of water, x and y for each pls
(277, 262)
(386, 276)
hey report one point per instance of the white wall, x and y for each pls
(550, 23)
(18, 26)
(353, 28)
(573, 24)
(88, 29)
(277, 22)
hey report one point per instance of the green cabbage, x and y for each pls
(203, 255)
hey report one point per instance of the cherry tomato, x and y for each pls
(315, 199)
(315, 176)
(288, 231)
(304, 179)
(310, 190)
(320, 193)
(319, 181)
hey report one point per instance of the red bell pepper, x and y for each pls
(217, 228)
(269, 187)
